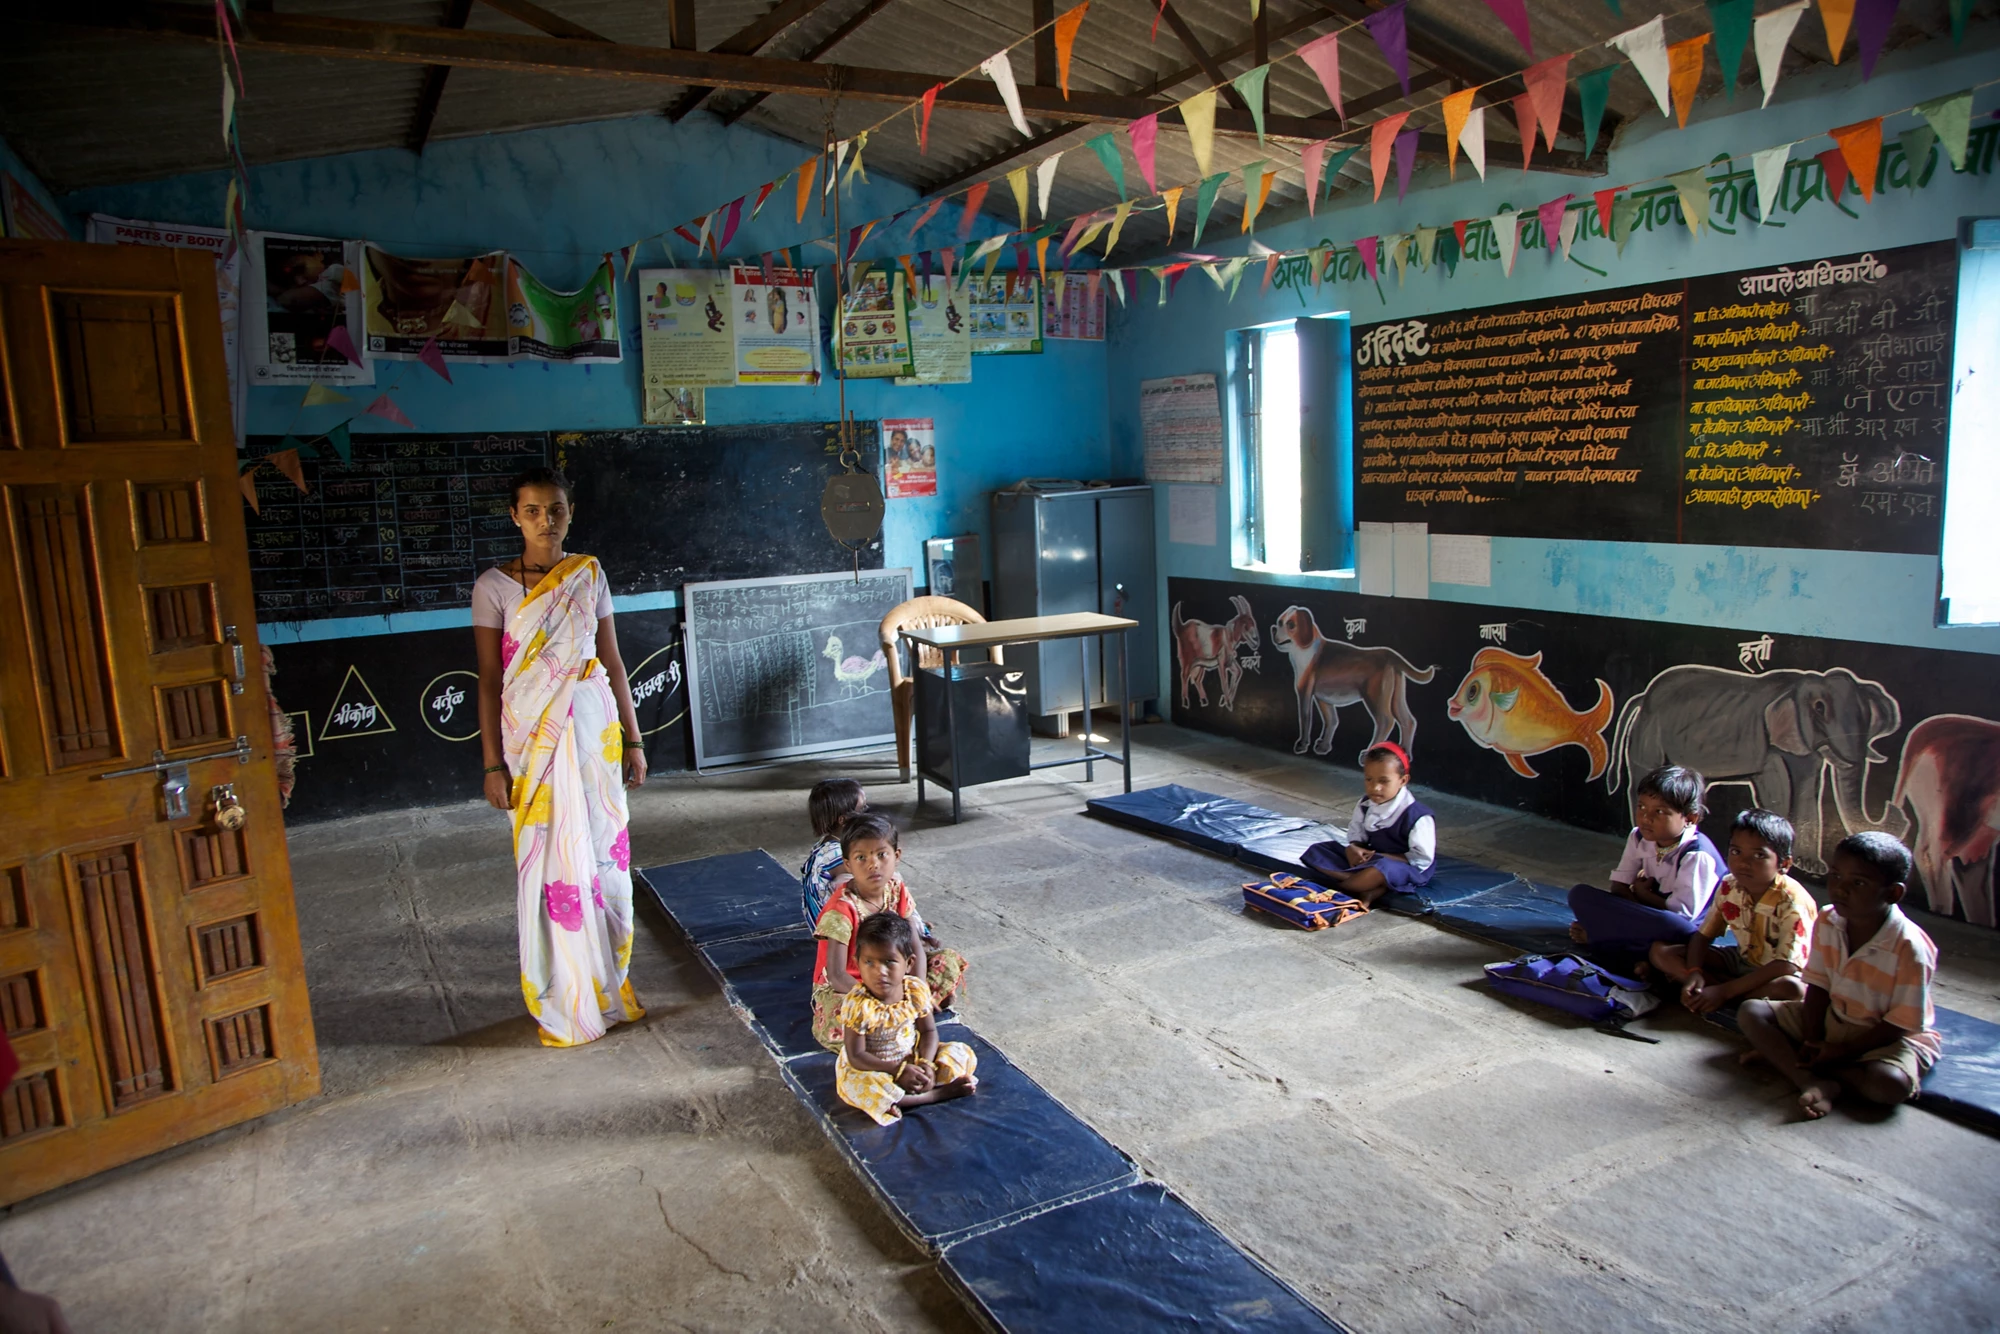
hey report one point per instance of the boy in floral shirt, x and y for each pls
(1769, 913)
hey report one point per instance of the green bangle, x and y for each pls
(496, 768)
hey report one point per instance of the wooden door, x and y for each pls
(150, 976)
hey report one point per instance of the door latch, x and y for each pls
(174, 779)
(230, 638)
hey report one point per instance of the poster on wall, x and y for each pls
(408, 302)
(909, 454)
(214, 241)
(300, 289)
(579, 326)
(775, 325)
(1180, 420)
(1006, 312)
(940, 334)
(24, 215)
(1075, 308)
(874, 331)
(684, 334)
(674, 405)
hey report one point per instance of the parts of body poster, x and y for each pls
(874, 331)
(299, 290)
(775, 322)
(940, 334)
(909, 455)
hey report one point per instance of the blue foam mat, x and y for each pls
(768, 980)
(1965, 1083)
(1282, 851)
(956, 1169)
(722, 898)
(1133, 1259)
(1203, 819)
(1518, 914)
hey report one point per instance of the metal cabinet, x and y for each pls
(1071, 550)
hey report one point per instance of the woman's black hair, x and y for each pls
(886, 930)
(536, 477)
(1679, 787)
(1773, 830)
(867, 824)
(831, 801)
(1394, 757)
(1883, 852)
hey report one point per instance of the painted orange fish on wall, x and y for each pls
(1506, 704)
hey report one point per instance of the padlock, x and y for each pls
(228, 808)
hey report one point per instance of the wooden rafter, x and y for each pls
(747, 41)
(555, 25)
(820, 48)
(1208, 64)
(432, 95)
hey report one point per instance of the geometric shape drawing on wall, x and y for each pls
(192, 715)
(1949, 783)
(355, 710)
(182, 616)
(168, 512)
(237, 1042)
(1779, 732)
(58, 563)
(140, 336)
(224, 949)
(1328, 675)
(302, 725)
(14, 898)
(212, 855)
(1201, 647)
(132, 1031)
(444, 705)
(31, 1105)
(21, 1005)
(656, 689)
(1507, 704)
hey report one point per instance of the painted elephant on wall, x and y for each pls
(1778, 731)
(1950, 784)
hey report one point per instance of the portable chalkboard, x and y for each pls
(685, 505)
(781, 667)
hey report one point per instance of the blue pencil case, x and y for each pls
(1301, 903)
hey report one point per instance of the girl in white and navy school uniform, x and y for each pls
(1392, 839)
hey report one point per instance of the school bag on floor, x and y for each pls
(1570, 983)
(1301, 903)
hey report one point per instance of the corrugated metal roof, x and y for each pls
(89, 109)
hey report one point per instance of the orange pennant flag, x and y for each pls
(1066, 27)
(287, 462)
(1173, 202)
(1524, 122)
(1382, 139)
(1861, 145)
(807, 170)
(1457, 108)
(1264, 189)
(1042, 258)
(1684, 74)
(1836, 15)
(350, 281)
(247, 481)
(1545, 87)
(909, 272)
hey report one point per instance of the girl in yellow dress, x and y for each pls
(890, 1057)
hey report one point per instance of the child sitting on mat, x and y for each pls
(870, 885)
(1392, 839)
(829, 804)
(1663, 882)
(890, 1057)
(1866, 1022)
(1768, 912)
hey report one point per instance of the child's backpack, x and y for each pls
(1301, 902)
(1574, 984)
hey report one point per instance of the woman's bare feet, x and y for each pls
(1816, 1099)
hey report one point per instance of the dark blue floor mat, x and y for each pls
(1134, 1259)
(1202, 819)
(1520, 915)
(959, 1168)
(1965, 1083)
(768, 980)
(1281, 851)
(721, 898)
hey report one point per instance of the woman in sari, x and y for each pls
(560, 735)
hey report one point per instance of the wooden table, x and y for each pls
(951, 640)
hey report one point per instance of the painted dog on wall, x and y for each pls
(1201, 648)
(1329, 675)
(1950, 784)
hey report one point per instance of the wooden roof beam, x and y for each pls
(747, 42)
(432, 94)
(1208, 64)
(820, 48)
(555, 25)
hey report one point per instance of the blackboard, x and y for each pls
(782, 667)
(684, 505)
(406, 524)
(1795, 406)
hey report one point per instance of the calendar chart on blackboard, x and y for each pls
(405, 524)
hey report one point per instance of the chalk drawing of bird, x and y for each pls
(854, 672)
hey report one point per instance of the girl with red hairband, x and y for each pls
(1392, 839)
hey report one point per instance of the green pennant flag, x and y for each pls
(1594, 89)
(1331, 171)
(1253, 177)
(1250, 84)
(1951, 117)
(1624, 210)
(1917, 144)
(342, 445)
(306, 451)
(1731, 19)
(1106, 149)
(1448, 250)
(1961, 10)
(1204, 200)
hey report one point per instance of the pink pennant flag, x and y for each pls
(433, 358)
(339, 341)
(1311, 159)
(1069, 237)
(1322, 56)
(930, 211)
(1551, 215)
(729, 223)
(1365, 247)
(1381, 140)
(385, 408)
(1545, 91)
(950, 258)
(1514, 13)
(1144, 132)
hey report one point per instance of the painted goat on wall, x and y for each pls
(1949, 782)
(1328, 675)
(1201, 648)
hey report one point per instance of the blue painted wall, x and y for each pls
(11, 163)
(1843, 595)
(559, 199)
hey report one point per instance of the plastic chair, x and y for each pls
(917, 614)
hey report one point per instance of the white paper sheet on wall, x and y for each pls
(1375, 555)
(1191, 515)
(1457, 559)
(1413, 560)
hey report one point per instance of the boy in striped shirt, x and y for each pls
(1866, 1020)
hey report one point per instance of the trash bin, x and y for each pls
(986, 724)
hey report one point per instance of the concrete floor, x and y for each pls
(1353, 1107)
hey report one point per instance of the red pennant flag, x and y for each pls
(974, 198)
(1861, 147)
(1545, 91)
(385, 408)
(339, 341)
(763, 193)
(1834, 164)
(689, 237)
(433, 358)
(1524, 121)
(924, 129)
(1021, 264)
(1270, 263)
(930, 211)
(287, 462)
(1458, 230)
(1604, 201)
